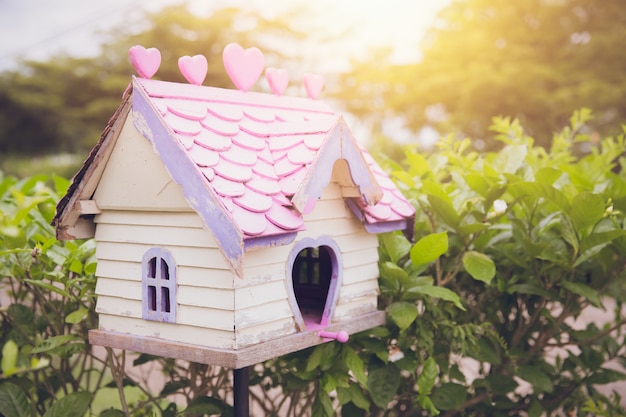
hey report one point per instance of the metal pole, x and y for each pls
(241, 382)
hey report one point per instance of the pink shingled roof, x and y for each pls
(254, 151)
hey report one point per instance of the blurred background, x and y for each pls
(405, 72)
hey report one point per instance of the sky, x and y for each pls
(36, 29)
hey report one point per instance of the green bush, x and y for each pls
(527, 238)
(509, 250)
(47, 306)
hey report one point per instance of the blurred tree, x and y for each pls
(536, 60)
(62, 104)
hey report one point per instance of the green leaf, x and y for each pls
(584, 291)
(328, 382)
(510, 158)
(322, 406)
(529, 288)
(396, 245)
(205, 406)
(501, 384)
(486, 352)
(76, 316)
(403, 314)
(383, 382)
(427, 404)
(314, 359)
(479, 266)
(358, 398)
(600, 239)
(568, 232)
(587, 209)
(538, 190)
(76, 266)
(10, 352)
(355, 364)
(540, 381)
(392, 272)
(426, 380)
(449, 396)
(13, 237)
(74, 405)
(429, 248)
(478, 183)
(605, 376)
(445, 210)
(48, 287)
(547, 175)
(438, 292)
(13, 401)
(54, 342)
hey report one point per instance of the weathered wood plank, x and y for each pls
(155, 235)
(223, 299)
(357, 241)
(118, 307)
(357, 291)
(260, 294)
(256, 315)
(331, 227)
(262, 274)
(128, 290)
(206, 317)
(166, 331)
(276, 329)
(151, 218)
(231, 358)
(205, 277)
(354, 309)
(186, 276)
(140, 183)
(267, 256)
(328, 209)
(88, 207)
(120, 270)
(188, 256)
(360, 257)
(69, 225)
(360, 273)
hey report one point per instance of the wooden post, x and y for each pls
(241, 394)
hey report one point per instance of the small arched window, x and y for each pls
(158, 286)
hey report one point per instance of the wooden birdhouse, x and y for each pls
(231, 226)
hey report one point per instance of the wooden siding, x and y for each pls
(221, 339)
(143, 208)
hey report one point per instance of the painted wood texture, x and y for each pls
(187, 350)
(165, 333)
(136, 179)
(205, 301)
(68, 223)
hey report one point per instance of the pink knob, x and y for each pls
(340, 336)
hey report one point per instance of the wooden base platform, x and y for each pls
(235, 359)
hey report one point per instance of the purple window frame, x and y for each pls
(158, 286)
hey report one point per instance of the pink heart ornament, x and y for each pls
(313, 83)
(244, 67)
(278, 79)
(145, 61)
(193, 68)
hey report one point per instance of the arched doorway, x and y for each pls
(315, 274)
